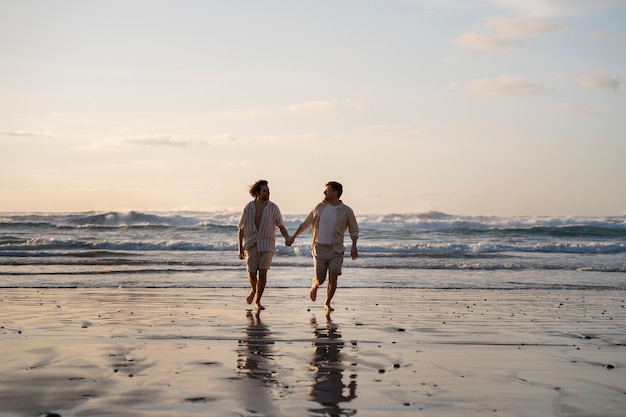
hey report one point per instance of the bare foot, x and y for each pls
(328, 308)
(313, 293)
(259, 307)
(250, 297)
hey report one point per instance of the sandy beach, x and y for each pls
(383, 352)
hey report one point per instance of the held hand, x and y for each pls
(241, 255)
(354, 252)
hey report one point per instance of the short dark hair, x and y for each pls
(255, 188)
(336, 187)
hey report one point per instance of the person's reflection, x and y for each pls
(328, 388)
(256, 361)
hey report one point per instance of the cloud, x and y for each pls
(396, 130)
(316, 137)
(506, 32)
(473, 40)
(546, 8)
(578, 108)
(505, 86)
(450, 60)
(25, 134)
(246, 113)
(244, 163)
(600, 33)
(323, 106)
(320, 106)
(313, 106)
(220, 140)
(297, 139)
(130, 142)
(597, 81)
(535, 8)
(156, 141)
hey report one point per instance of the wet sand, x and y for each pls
(382, 352)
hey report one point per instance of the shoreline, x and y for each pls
(382, 352)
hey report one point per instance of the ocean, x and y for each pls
(422, 250)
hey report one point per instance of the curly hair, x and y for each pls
(255, 188)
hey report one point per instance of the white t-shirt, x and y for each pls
(328, 219)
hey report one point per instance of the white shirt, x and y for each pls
(328, 219)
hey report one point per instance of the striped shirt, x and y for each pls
(265, 237)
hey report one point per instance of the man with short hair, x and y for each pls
(330, 219)
(256, 239)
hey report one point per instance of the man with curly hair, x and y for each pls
(256, 239)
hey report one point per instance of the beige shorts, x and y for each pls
(256, 260)
(326, 259)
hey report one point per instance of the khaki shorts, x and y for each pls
(256, 260)
(326, 259)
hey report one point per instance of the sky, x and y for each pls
(485, 107)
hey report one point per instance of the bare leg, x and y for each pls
(260, 288)
(253, 284)
(330, 290)
(314, 285)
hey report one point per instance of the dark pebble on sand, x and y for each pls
(53, 415)
(396, 365)
(381, 371)
(401, 330)
(609, 366)
(199, 400)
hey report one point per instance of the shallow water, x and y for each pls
(428, 250)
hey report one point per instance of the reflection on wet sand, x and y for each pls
(328, 388)
(256, 361)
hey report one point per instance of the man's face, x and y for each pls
(329, 193)
(264, 193)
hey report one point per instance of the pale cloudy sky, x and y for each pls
(503, 107)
